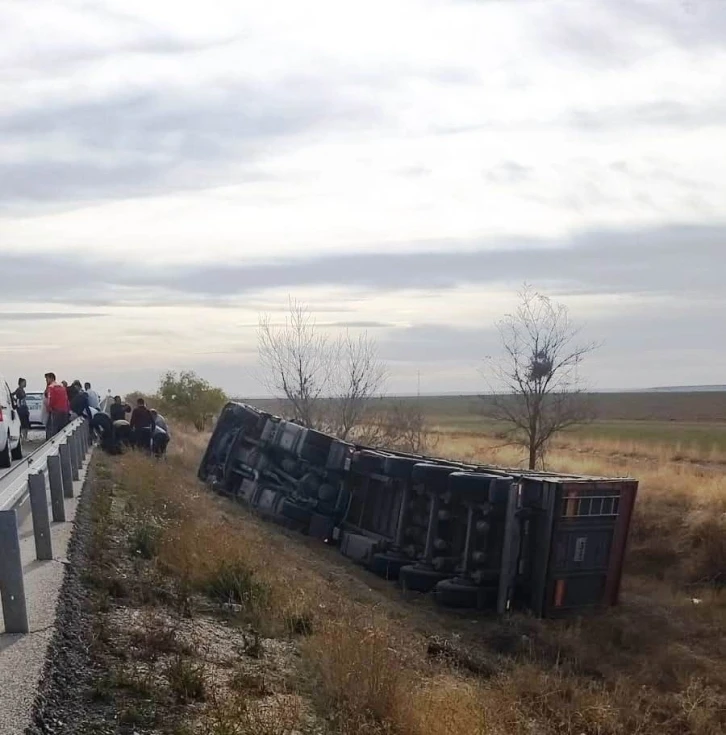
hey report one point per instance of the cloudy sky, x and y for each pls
(169, 171)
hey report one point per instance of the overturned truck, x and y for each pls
(473, 535)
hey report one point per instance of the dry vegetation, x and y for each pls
(214, 622)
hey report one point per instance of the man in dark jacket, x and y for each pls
(142, 425)
(22, 405)
(118, 409)
(79, 402)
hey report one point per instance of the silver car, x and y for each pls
(35, 406)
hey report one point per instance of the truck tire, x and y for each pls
(481, 487)
(464, 595)
(388, 566)
(316, 448)
(327, 493)
(399, 468)
(419, 578)
(368, 463)
(435, 477)
(295, 512)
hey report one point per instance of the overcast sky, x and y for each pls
(168, 171)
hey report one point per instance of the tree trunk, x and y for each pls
(532, 455)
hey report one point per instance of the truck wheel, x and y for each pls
(17, 453)
(462, 594)
(296, 512)
(399, 468)
(367, 462)
(327, 493)
(435, 477)
(387, 566)
(419, 578)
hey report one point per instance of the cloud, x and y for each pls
(425, 343)
(618, 33)
(644, 261)
(508, 172)
(660, 114)
(39, 316)
(162, 165)
(145, 142)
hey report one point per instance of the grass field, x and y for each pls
(688, 424)
(335, 651)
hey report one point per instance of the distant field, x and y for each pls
(692, 420)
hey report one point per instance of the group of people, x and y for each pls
(146, 428)
(61, 404)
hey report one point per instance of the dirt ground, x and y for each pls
(184, 613)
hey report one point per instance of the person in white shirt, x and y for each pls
(160, 421)
(161, 434)
(93, 400)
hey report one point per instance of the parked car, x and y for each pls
(35, 406)
(11, 446)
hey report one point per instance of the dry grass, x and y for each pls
(654, 666)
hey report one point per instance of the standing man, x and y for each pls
(118, 409)
(22, 407)
(57, 406)
(93, 400)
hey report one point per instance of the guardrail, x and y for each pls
(55, 465)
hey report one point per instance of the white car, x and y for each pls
(35, 407)
(11, 446)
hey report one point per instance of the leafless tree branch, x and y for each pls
(327, 381)
(536, 387)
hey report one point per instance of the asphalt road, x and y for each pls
(36, 439)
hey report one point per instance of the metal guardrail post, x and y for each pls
(78, 442)
(73, 448)
(12, 587)
(41, 521)
(64, 451)
(64, 455)
(82, 439)
(55, 480)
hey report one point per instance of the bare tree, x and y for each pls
(536, 387)
(297, 362)
(328, 382)
(398, 425)
(360, 375)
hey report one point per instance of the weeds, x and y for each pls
(653, 667)
(232, 582)
(273, 715)
(144, 540)
(186, 680)
(358, 670)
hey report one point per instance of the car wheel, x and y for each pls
(17, 453)
(5, 460)
(419, 578)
